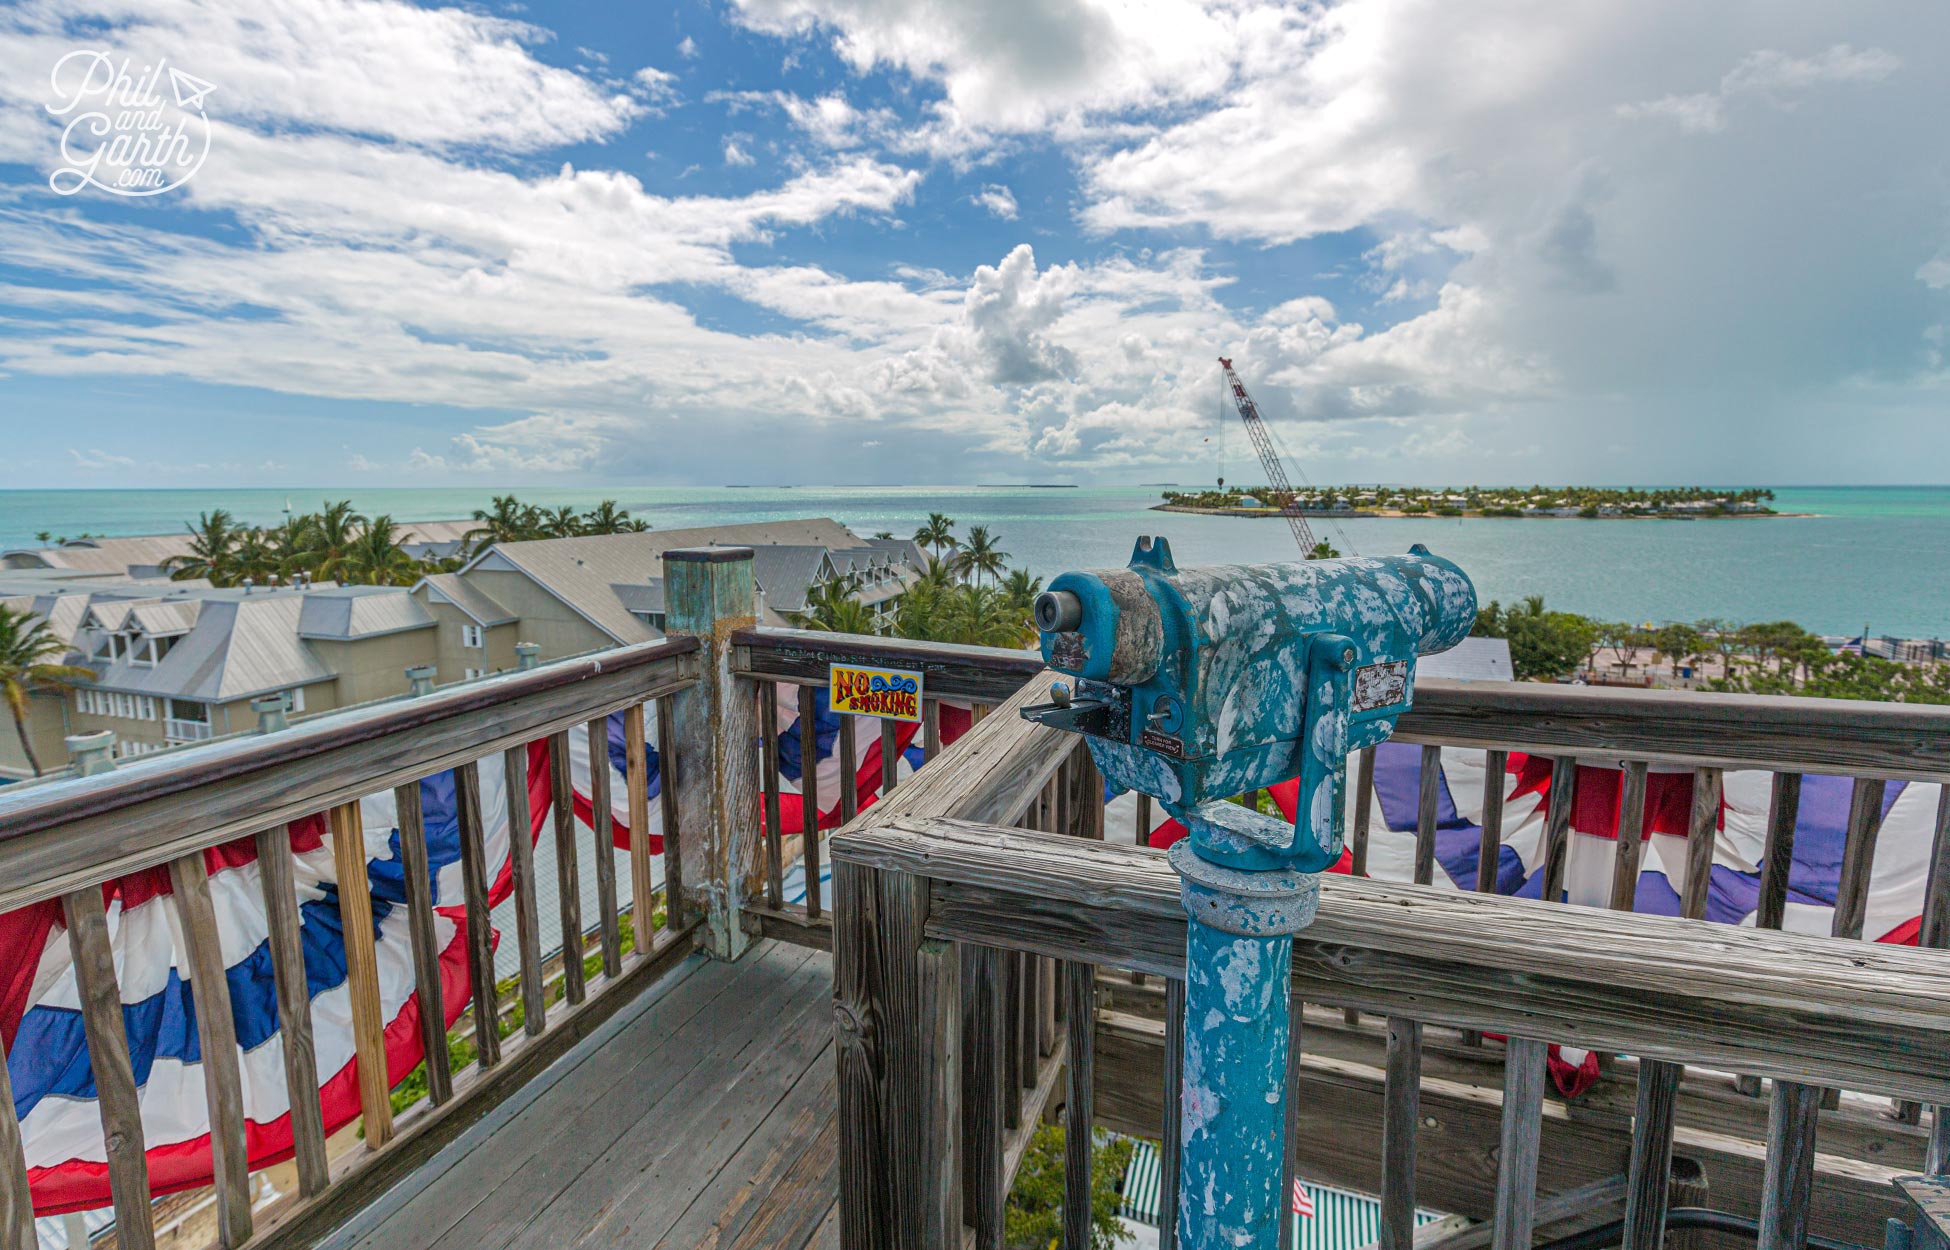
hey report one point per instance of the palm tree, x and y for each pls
(25, 664)
(1020, 590)
(562, 522)
(607, 518)
(374, 559)
(1322, 550)
(211, 540)
(327, 539)
(981, 555)
(256, 556)
(508, 521)
(939, 532)
(831, 606)
(980, 616)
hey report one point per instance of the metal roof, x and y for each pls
(240, 647)
(100, 555)
(343, 613)
(471, 599)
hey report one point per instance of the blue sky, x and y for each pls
(917, 241)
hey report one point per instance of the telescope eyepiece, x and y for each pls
(1058, 612)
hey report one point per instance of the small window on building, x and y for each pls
(470, 636)
(473, 673)
(294, 700)
(145, 706)
(124, 705)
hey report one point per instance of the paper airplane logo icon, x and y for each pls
(189, 89)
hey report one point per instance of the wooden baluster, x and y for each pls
(1012, 1055)
(1429, 793)
(1789, 1181)
(890, 757)
(1523, 1126)
(603, 824)
(1080, 1121)
(1143, 831)
(521, 856)
(1648, 1183)
(109, 1063)
(568, 870)
(1358, 836)
(1170, 1137)
(1777, 858)
(930, 731)
(667, 765)
(768, 764)
(1631, 838)
(480, 934)
(1030, 1019)
(809, 792)
(636, 779)
(1557, 825)
(849, 772)
(1935, 934)
(1852, 889)
(216, 1035)
(1401, 1110)
(983, 1114)
(411, 822)
(362, 972)
(16, 1200)
(294, 1011)
(1701, 831)
(1489, 854)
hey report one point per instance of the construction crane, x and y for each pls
(1269, 460)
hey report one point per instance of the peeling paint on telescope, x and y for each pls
(1194, 685)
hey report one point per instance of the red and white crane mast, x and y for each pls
(1269, 459)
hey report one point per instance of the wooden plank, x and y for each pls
(1858, 856)
(116, 1097)
(1012, 1054)
(768, 760)
(1495, 780)
(675, 916)
(1029, 1012)
(1866, 1016)
(521, 857)
(949, 671)
(930, 731)
(603, 826)
(1142, 831)
(1428, 792)
(1523, 1124)
(148, 811)
(1651, 1168)
(1702, 829)
(983, 1190)
(849, 772)
(1791, 1118)
(1363, 810)
(809, 792)
(781, 1196)
(216, 1035)
(480, 928)
(1781, 733)
(1777, 855)
(890, 758)
(1631, 838)
(794, 926)
(294, 1010)
(897, 1010)
(411, 822)
(16, 1199)
(1400, 1117)
(636, 779)
(1557, 826)
(362, 972)
(568, 871)
(1171, 1139)
(1079, 1120)
(1584, 1201)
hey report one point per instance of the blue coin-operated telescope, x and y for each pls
(1194, 685)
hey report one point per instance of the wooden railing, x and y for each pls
(1807, 1013)
(62, 841)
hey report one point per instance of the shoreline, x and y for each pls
(1474, 514)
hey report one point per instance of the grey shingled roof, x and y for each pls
(241, 646)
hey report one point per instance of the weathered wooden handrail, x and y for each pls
(59, 836)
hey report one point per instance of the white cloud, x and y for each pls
(1768, 75)
(96, 458)
(999, 200)
(734, 154)
(688, 49)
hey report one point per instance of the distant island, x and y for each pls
(1584, 502)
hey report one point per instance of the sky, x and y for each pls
(953, 241)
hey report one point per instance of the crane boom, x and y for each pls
(1268, 459)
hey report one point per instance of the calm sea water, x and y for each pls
(1874, 556)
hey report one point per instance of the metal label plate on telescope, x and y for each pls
(1380, 685)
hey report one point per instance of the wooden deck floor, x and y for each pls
(701, 1117)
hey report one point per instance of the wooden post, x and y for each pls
(676, 915)
(890, 758)
(768, 762)
(362, 973)
(709, 595)
(294, 1010)
(16, 1200)
(480, 932)
(897, 1015)
(1631, 838)
(216, 1035)
(636, 777)
(1401, 1110)
(809, 794)
(1358, 836)
(1523, 1126)
(1429, 794)
(849, 772)
(568, 866)
(426, 953)
(1557, 825)
(1080, 1118)
(521, 857)
(602, 824)
(930, 731)
(983, 1191)
(110, 1065)
(1490, 852)
(1648, 1182)
(1789, 1183)
(1701, 831)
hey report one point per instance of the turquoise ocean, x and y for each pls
(1869, 556)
